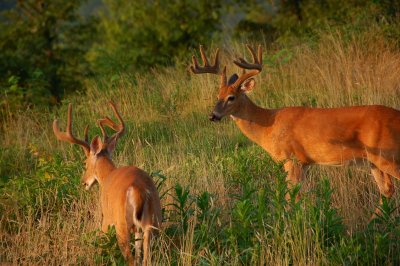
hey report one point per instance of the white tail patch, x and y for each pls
(135, 206)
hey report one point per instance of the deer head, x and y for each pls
(98, 152)
(231, 92)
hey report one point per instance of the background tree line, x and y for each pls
(49, 48)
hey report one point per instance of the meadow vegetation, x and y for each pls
(223, 197)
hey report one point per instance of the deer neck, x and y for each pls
(104, 166)
(254, 122)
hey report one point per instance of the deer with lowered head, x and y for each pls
(128, 196)
(302, 136)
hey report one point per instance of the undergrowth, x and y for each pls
(258, 220)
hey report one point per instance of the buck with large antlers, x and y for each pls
(301, 136)
(128, 197)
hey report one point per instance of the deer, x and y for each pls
(302, 136)
(128, 196)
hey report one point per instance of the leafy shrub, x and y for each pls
(52, 187)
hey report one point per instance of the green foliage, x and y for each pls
(326, 217)
(10, 159)
(42, 52)
(16, 95)
(107, 244)
(52, 187)
(207, 232)
(140, 34)
(381, 240)
(378, 244)
(182, 206)
(306, 19)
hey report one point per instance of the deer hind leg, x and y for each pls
(138, 244)
(390, 167)
(104, 226)
(146, 244)
(385, 185)
(384, 182)
(295, 174)
(124, 237)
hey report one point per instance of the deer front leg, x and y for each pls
(295, 174)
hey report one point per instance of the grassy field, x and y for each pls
(223, 196)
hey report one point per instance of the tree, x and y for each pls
(42, 46)
(141, 34)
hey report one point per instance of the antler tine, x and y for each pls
(68, 136)
(195, 64)
(253, 53)
(100, 123)
(196, 69)
(86, 134)
(257, 60)
(216, 58)
(203, 56)
(223, 77)
(260, 54)
(254, 67)
(120, 128)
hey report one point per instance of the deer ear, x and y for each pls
(96, 145)
(248, 85)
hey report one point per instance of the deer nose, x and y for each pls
(214, 117)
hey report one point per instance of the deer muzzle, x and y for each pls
(214, 117)
(217, 113)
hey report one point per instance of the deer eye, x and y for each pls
(230, 98)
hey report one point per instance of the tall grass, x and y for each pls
(223, 196)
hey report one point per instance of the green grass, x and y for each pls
(223, 197)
